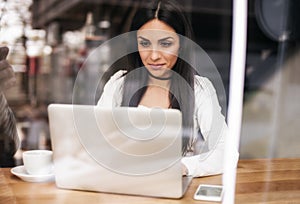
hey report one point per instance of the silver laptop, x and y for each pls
(121, 150)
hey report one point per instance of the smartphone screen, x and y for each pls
(209, 192)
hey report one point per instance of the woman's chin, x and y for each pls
(161, 73)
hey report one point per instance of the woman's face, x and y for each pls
(158, 46)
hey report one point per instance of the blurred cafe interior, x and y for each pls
(49, 41)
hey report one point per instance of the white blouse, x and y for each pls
(207, 154)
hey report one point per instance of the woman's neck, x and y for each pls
(160, 78)
(163, 81)
(160, 83)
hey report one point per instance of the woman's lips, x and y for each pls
(156, 66)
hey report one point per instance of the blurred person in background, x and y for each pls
(9, 140)
(157, 76)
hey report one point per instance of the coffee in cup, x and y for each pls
(38, 162)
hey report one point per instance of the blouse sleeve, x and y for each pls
(112, 91)
(211, 122)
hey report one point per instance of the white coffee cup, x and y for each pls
(38, 162)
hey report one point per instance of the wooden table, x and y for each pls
(258, 181)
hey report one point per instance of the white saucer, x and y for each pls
(20, 172)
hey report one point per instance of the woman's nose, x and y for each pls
(155, 54)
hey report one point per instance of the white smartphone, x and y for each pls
(209, 192)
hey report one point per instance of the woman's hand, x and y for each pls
(185, 171)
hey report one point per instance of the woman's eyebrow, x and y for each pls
(167, 38)
(143, 38)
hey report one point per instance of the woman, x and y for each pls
(9, 140)
(157, 76)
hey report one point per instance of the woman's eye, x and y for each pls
(166, 44)
(144, 43)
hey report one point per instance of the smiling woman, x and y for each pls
(158, 46)
(159, 74)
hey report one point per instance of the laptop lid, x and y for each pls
(117, 150)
